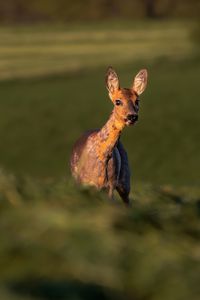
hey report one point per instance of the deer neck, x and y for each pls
(109, 135)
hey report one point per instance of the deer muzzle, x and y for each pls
(131, 119)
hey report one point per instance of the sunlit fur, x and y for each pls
(99, 158)
(129, 104)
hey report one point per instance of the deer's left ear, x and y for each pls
(140, 82)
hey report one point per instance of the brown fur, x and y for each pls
(98, 158)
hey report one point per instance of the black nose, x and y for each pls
(132, 118)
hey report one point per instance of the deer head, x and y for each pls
(126, 101)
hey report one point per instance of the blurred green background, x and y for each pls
(58, 241)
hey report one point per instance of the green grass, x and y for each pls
(41, 119)
(59, 241)
(41, 50)
(44, 112)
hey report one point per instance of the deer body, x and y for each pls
(99, 158)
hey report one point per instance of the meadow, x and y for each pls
(59, 241)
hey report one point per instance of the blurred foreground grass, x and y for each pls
(58, 242)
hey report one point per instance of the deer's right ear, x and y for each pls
(112, 80)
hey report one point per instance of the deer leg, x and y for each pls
(124, 194)
(111, 194)
(123, 186)
(111, 175)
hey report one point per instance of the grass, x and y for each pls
(43, 117)
(46, 103)
(59, 241)
(42, 50)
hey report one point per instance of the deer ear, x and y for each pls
(112, 80)
(140, 82)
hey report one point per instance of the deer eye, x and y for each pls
(118, 102)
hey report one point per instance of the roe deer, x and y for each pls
(99, 158)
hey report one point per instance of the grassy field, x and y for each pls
(61, 242)
(41, 116)
(41, 50)
(58, 242)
